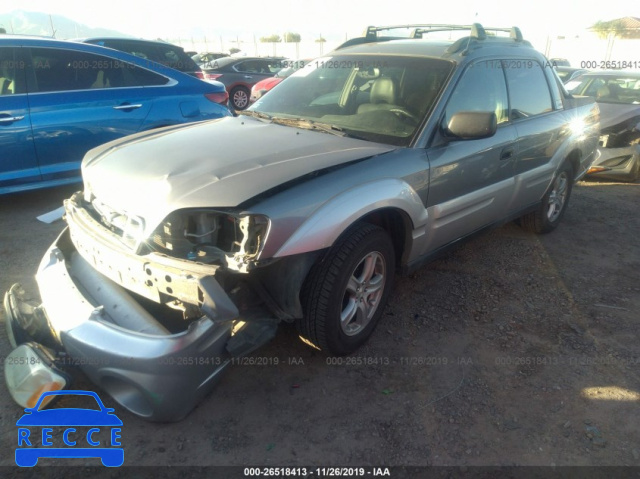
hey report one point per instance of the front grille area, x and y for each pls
(129, 227)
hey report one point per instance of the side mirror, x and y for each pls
(472, 125)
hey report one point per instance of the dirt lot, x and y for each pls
(513, 349)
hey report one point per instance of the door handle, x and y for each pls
(127, 107)
(506, 154)
(248, 77)
(11, 119)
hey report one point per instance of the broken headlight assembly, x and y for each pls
(623, 134)
(230, 239)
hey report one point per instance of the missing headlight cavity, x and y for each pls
(211, 237)
(623, 134)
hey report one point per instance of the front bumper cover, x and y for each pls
(616, 163)
(99, 326)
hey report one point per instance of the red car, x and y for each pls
(263, 86)
(239, 74)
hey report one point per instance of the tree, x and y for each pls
(275, 38)
(616, 28)
(234, 50)
(320, 39)
(291, 37)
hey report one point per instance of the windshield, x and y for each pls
(374, 97)
(623, 89)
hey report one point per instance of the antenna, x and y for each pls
(53, 30)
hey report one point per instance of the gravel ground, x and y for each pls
(513, 349)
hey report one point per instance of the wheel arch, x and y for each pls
(285, 293)
(389, 203)
(575, 158)
(398, 226)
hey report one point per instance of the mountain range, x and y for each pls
(36, 23)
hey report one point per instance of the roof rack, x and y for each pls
(476, 32)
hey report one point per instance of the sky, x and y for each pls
(329, 18)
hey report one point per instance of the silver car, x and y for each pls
(618, 96)
(189, 245)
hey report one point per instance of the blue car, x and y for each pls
(30, 433)
(59, 99)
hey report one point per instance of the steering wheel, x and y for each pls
(404, 114)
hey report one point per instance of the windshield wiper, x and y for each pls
(307, 124)
(255, 114)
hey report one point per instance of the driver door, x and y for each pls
(471, 180)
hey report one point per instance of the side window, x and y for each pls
(169, 55)
(481, 88)
(594, 86)
(252, 66)
(65, 70)
(134, 49)
(262, 67)
(243, 67)
(8, 69)
(528, 89)
(178, 59)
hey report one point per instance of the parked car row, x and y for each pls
(194, 242)
(618, 95)
(158, 52)
(265, 85)
(240, 74)
(617, 92)
(567, 74)
(203, 60)
(59, 99)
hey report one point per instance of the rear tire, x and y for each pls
(344, 295)
(239, 97)
(553, 205)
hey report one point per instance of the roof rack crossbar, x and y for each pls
(476, 30)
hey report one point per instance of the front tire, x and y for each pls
(553, 205)
(345, 294)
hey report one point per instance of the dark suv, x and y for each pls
(166, 54)
(190, 245)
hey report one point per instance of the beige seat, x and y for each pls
(603, 92)
(100, 81)
(383, 96)
(7, 84)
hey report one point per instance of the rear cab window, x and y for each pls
(528, 89)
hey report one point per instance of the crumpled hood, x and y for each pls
(219, 163)
(613, 113)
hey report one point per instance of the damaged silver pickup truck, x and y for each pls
(188, 245)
